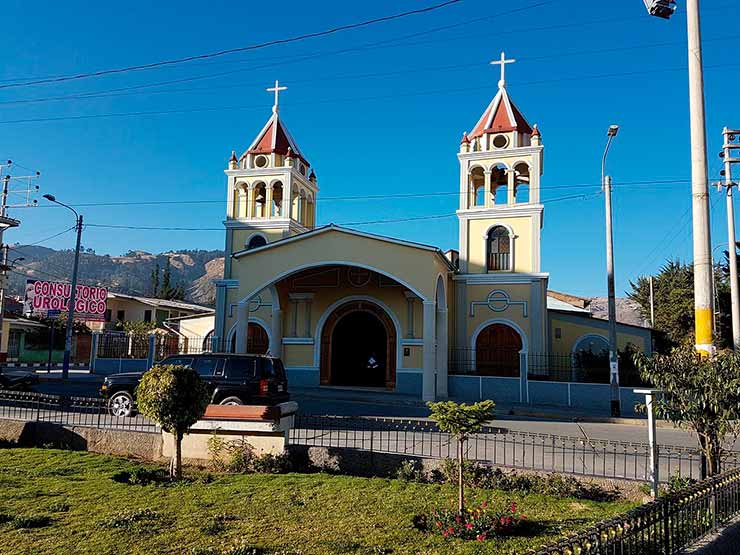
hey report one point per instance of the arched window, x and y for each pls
(260, 200)
(277, 199)
(498, 246)
(477, 187)
(256, 241)
(521, 183)
(499, 184)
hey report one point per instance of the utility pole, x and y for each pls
(728, 145)
(611, 296)
(652, 304)
(73, 291)
(703, 286)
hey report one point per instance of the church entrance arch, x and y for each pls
(358, 347)
(497, 350)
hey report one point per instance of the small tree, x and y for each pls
(701, 393)
(175, 397)
(461, 420)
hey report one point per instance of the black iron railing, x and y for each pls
(90, 412)
(501, 447)
(665, 526)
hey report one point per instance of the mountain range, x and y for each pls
(130, 273)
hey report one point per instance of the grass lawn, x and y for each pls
(313, 514)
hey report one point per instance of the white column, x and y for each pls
(242, 321)
(428, 381)
(442, 352)
(276, 339)
(511, 187)
(219, 338)
(489, 193)
(250, 201)
(268, 202)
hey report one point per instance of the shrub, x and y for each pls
(268, 463)
(4, 518)
(175, 397)
(141, 476)
(480, 523)
(557, 485)
(239, 457)
(676, 483)
(410, 471)
(30, 521)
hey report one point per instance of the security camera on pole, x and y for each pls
(612, 303)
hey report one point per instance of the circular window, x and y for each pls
(500, 141)
(260, 161)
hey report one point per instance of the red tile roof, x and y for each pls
(276, 138)
(500, 116)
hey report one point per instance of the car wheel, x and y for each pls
(121, 404)
(231, 401)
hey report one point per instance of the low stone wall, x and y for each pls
(139, 445)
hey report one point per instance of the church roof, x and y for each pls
(347, 231)
(276, 138)
(502, 115)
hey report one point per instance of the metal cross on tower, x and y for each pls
(276, 89)
(502, 62)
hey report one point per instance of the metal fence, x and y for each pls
(91, 412)
(501, 447)
(665, 526)
(581, 367)
(122, 345)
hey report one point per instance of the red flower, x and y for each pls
(439, 524)
(468, 526)
(445, 533)
(484, 504)
(480, 537)
(513, 507)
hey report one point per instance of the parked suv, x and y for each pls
(231, 379)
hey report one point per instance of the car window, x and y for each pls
(206, 366)
(240, 367)
(266, 369)
(279, 368)
(178, 361)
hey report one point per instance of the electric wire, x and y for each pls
(251, 47)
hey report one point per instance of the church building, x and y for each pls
(348, 308)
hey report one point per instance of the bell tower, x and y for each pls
(271, 187)
(500, 213)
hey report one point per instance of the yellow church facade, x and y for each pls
(347, 308)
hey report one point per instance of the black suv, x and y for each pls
(232, 380)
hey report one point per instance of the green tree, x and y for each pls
(175, 397)
(154, 281)
(460, 420)
(701, 393)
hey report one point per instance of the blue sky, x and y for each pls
(378, 111)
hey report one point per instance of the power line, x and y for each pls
(142, 89)
(635, 185)
(393, 220)
(430, 92)
(247, 48)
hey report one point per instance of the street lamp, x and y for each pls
(606, 182)
(73, 292)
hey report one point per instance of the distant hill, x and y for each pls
(628, 311)
(130, 273)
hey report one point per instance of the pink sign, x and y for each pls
(49, 298)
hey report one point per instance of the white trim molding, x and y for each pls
(499, 300)
(501, 278)
(298, 341)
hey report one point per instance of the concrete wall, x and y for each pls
(111, 442)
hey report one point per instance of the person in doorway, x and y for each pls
(372, 362)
